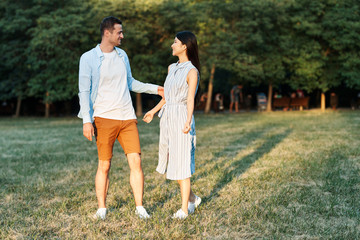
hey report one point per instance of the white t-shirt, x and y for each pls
(113, 100)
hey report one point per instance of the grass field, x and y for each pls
(283, 175)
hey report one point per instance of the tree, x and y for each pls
(320, 56)
(306, 44)
(56, 45)
(15, 24)
(213, 41)
(342, 32)
(262, 43)
(246, 38)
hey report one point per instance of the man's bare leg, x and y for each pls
(136, 177)
(137, 183)
(102, 182)
(101, 187)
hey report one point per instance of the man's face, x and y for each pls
(116, 35)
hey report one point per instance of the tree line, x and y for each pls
(312, 45)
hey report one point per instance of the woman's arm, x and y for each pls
(192, 80)
(148, 117)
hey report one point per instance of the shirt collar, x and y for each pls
(98, 51)
(100, 54)
(118, 51)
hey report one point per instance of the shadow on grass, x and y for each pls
(245, 140)
(340, 176)
(239, 166)
(228, 152)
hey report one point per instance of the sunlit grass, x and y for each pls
(292, 175)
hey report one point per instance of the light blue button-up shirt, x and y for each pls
(89, 78)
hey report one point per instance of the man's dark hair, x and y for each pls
(108, 23)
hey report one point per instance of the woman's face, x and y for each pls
(178, 47)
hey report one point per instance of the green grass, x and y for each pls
(283, 175)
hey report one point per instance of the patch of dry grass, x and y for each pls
(292, 175)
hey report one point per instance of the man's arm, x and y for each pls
(84, 97)
(84, 89)
(137, 86)
(150, 114)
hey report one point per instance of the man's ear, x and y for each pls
(106, 32)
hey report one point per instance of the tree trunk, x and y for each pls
(210, 89)
(47, 106)
(47, 110)
(323, 102)
(18, 107)
(138, 105)
(269, 103)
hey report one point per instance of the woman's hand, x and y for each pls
(148, 117)
(187, 127)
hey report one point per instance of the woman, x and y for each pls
(177, 124)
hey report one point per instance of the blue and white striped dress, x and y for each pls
(176, 149)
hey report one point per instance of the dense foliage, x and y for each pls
(313, 45)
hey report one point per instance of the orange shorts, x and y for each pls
(108, 130)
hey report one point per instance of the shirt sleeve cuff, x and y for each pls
(87, 119)
(153, 88)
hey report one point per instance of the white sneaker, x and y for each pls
(100, 214)
(141, 212)
(193, 205)
(180, 214)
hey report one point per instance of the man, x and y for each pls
(235, 92)
(106, 109)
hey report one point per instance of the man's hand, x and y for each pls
(148, 117)
(88, 131)
(161, 91)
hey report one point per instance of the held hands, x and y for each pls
(88, 131)
(186, 128)
(148, 117)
